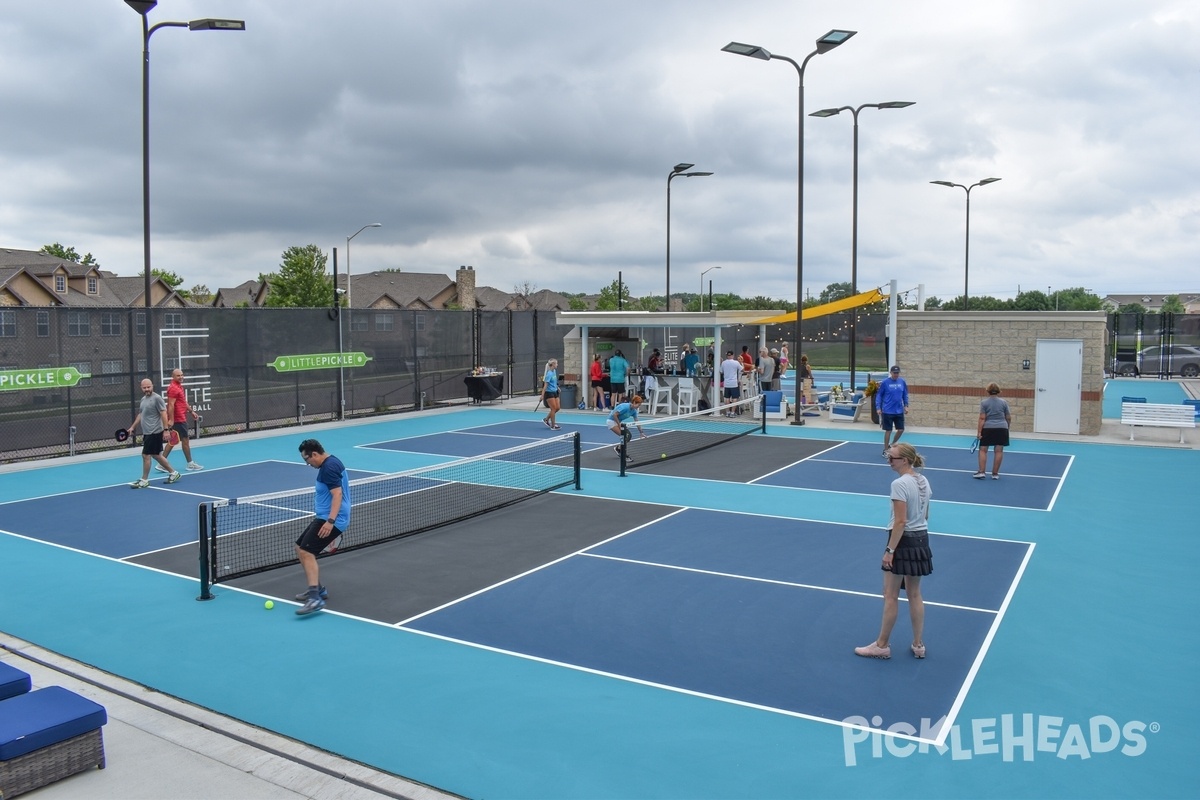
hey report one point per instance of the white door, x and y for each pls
(1059, 380)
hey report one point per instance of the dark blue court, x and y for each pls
(1028, 480)
(755, 610)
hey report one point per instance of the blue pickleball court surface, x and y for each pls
(754, 610)
(1028, 480)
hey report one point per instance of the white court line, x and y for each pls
(987, 643)
(793, 584)
(801, 461)
(538, 568)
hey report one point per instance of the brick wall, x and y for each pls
(949, 357)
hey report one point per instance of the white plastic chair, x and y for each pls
(687, 399)
(660, 397)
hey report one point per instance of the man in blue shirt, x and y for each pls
(891, 400)
(332, 509)
(618, 371)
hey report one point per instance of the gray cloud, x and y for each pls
(533, 140)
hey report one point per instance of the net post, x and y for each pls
(205, 536)
(762, 402)
(578, 448)
(624, 450)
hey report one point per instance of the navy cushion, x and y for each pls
(44, 717)
(12, 681)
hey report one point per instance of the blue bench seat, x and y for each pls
(47, 735)
(12, 681)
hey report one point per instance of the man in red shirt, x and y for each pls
(177, 413)
(746, 359)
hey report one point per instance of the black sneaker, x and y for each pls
(304, 595)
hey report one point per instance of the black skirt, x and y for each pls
(994, 437)
(912, 556)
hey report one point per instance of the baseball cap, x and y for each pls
(895, 368)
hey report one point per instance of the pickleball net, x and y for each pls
(245, 535)
(684, 434)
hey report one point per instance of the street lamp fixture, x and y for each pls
(831, 112)
(349, 316)
(824, 44)
(967, 248)
(143, 7)
(702, 274)
(677, 171)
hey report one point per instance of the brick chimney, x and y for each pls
(465, 280)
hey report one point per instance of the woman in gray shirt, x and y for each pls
(994, 419)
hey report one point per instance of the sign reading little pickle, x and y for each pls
(319, 361)
(45, 378)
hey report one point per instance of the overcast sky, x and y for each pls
(533, 140)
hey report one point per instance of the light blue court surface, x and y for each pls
(1084, 689)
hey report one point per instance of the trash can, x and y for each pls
(567, 395)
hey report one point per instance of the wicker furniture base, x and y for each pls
(55, 762)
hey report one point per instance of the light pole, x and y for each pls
(967, 249)
(349, 309)
(702, 274)
(143, 7)
(830, 112)
(678, 171)
(824, 45)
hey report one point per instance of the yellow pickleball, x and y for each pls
(269, 605)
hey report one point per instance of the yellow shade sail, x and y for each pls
(861, 299)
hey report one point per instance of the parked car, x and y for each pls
(1177, 359)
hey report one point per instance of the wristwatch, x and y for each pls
(888, 550)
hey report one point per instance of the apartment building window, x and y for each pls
(78, 323)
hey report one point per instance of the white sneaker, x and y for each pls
(161, 468)
(194, 467)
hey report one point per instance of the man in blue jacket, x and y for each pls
(891, 400)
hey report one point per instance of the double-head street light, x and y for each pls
(830, 112)
(824, 45)
(702, 274)
(678, 171)
(967, 250)
(143, 7)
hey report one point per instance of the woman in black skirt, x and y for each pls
(906, 558)
(994, 419)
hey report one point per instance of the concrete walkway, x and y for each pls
(158, 747)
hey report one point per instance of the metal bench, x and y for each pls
(1157, 415)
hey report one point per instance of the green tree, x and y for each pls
(834, 291)
(576, 303)
(1034, 300)
(1079, 299)
(609, 296)
(69, 254)
(200, 294)
(1132, 308)
(1171, 305)
(301, 281)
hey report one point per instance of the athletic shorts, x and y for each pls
(311, 542)
(994, 437)
(617, 388)
(732, 393)
(551, 395)
(152, 444)
(180, 428)
(887, 421)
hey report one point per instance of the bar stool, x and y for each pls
(687, 398)
(660, 397)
